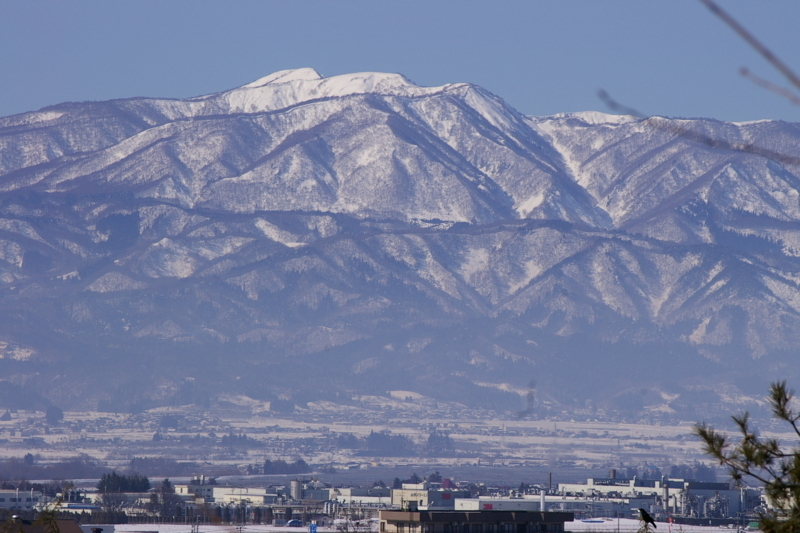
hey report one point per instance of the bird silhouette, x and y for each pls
(645, 517)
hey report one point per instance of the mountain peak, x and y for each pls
(355, 225)
(285, 76)
(287, 88)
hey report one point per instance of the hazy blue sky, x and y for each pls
(669, 58)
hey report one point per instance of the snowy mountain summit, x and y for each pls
(363, 227)
(307, 84)
(288, 88)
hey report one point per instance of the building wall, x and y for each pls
(427, 497)
(203, 491)
(401, 497)
(472, 522)
(670, 496)
(11, 499)
(497, 504)
(317, 494)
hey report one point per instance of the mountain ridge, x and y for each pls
(441, 239)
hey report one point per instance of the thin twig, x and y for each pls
(765, 52)
(768, 85)
(616, 106)
(679, 130)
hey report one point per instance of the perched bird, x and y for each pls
(645, 517)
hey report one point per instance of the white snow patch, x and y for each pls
(716, 269)
(657, 301)
(403, 394)
(12, 351)
(597, 117)
(532, 270)
(525, 208)
(699, 334)
(787, 293)
(286, 76)
(115, 281)
(32, 118)
(477, 261)
(292, 87)
(749, 122)
(214, 248)
(174, 262)
(20, 227)
(717, 286)
(167, 330)
(592, 117)
(507, 387)
(276, 234)
(489, 108)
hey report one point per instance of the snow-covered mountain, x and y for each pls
(311, 237)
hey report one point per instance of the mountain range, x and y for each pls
(309, 239)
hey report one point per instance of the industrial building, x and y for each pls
(19, 499)
(426, 495)
(667, 497)
(19, 525)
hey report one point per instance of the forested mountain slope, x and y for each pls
(312, 238)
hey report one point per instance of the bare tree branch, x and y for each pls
(616, 106)
(768, 85)
(680, 130)
(765, 52)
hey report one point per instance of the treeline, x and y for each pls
(240, 440)
(695, 472)
(378, 443)
(439, 444)
(232, 440)
(50, 489)
(114, 482)
(27, 468)
(160, 466)
(282, 467)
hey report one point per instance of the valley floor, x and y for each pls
(189, 441)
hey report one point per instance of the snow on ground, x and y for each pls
(629, 525)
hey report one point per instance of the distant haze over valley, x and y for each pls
(309, 239)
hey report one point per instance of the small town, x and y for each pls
(434, 503)
(270, 469)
